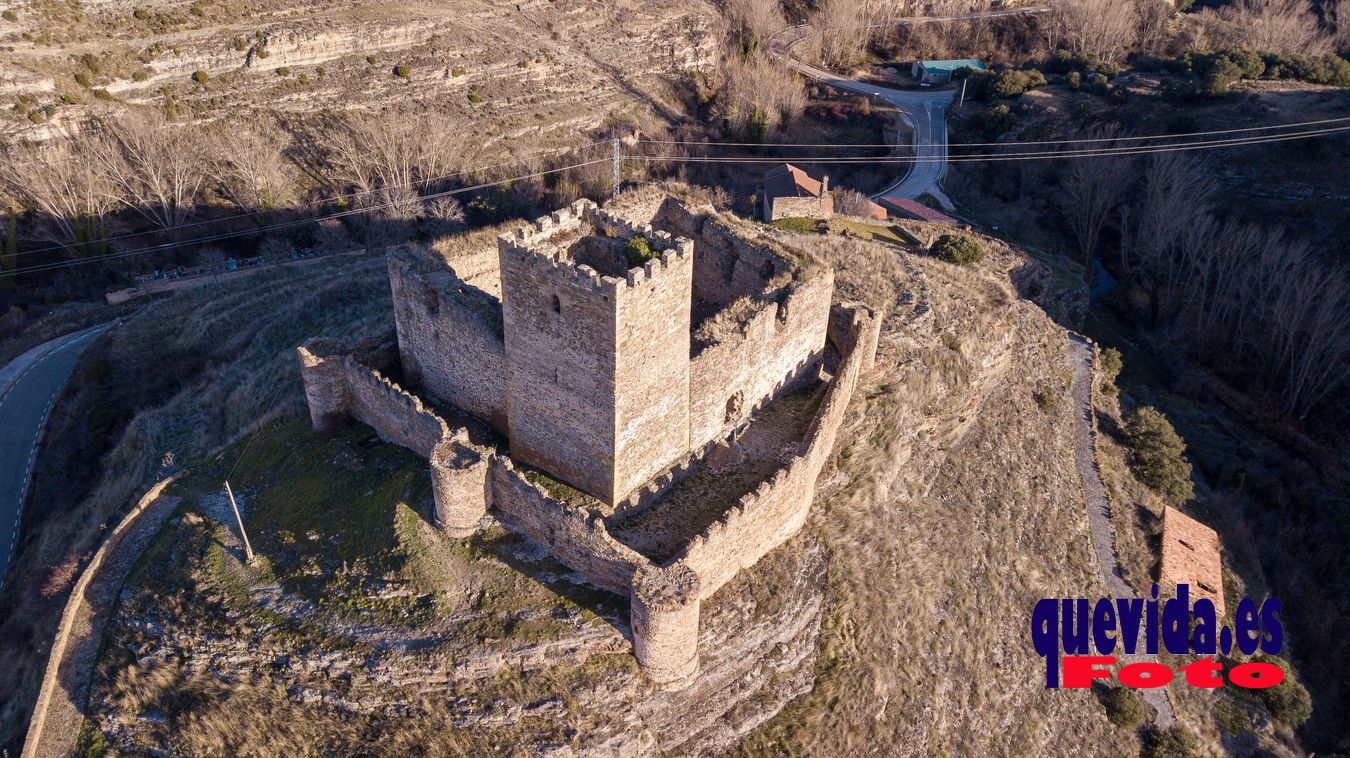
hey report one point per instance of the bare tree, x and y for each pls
(1279, 26)
(157, 170)
(1105, 28)
(762, 95)
(851, 202)
(252, 169)
(1092, 188)
(69, 193)
(841, 31)
(753, 22)
(387, 159)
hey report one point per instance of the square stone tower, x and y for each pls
(597, 351)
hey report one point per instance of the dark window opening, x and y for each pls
(1186, 545)
(1206, 587)
(556, 304)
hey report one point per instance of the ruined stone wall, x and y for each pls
(338, 386)
(450, 338)
(771, 514)
(802, 207)
(776, 349)
(573, 536)
(726, 265)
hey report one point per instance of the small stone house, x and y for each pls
(790, 192)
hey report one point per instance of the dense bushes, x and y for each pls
(1124, 707)
(959, 249)
(986, 85)
(638, 251)
(1158, 455)
(1288, 701)
(1175, 741)
(1210, 74)
(1086, 65)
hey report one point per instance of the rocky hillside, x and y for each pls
(897, 617)
(516, 68)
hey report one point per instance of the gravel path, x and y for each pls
(1099, 506)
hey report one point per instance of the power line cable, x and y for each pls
(999, 157)
(289, 224)
(335, 198)
(1174, 135)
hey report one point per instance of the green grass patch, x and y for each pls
(887, 233)
(800, 225)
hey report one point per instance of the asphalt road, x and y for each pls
(28, 387)
(925, 111)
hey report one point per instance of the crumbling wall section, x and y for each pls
(450, 338)
(770, 515)
(338, 387)
(775, 350)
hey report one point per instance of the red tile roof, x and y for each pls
(789, 181)
(915, 209)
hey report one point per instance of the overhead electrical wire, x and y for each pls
(335, 198)
(289, 224)
(1173, 135)
(999, 157)
(1091, 152)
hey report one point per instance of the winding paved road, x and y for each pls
(28, 387)
(925, 111)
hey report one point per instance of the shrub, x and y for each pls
(103, 94)
(1013, 83)
(1158, 455)
(240, 44)
(284, 71)
(141, 14)
(1110, 364)
(83, 78)
(638, 251)
(458, 71)
(402, 71)
(1175, 741)
(200, 77)
(264, 52)
(370, 59)
(960, 249)
(9, 15)
(998, 121)
(1124, 707)
(1074, 79)
(1288, 701)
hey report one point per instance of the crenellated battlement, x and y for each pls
(593, 372)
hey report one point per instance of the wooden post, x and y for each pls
(248, 549)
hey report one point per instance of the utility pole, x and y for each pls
(963, 95)
(248, 549)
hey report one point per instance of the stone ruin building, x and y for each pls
(658, 425)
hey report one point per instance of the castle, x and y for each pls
(656, 419)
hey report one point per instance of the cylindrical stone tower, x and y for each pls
(664, 617)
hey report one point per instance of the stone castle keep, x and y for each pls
(658, 425)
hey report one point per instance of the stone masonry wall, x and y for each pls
(802, 207)
(450, 338)
(597, 375)
(575, 537)
(778, 347)
(560, 332)
(767, 517)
